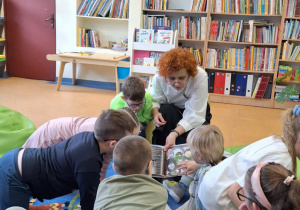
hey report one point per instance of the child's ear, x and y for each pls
(112, 144)
(113, 166)
(243, 206)
(255, 206)
(123, 98)
(150, 168)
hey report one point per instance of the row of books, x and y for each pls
(239, 84)
(294, 74)
(156, 4)
(188, 27)
(293, 8)
(139, 58)
(291, 29)
(290, 52)
(279, 88)
(198, 5)
(88, 38)
(247, 59)
(240, 31)
(158, 35)
(264, 7)
(197, 53)
(103, 8)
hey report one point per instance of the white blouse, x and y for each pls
(192, 98)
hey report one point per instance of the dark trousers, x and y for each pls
(13, 192)
(173, 115)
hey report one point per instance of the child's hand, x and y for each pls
(170, 141)
(190, 166)
(159, 120)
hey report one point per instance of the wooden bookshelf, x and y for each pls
(274, 19)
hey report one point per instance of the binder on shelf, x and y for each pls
(219, 83)
(249, 85)
(262, 87)
(232, 83)
(241, 84)
(268, 92)
(227, 84)
(211, 82)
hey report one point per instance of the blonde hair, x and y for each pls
(281, 196)
(131, 155)
(290, 129)
(208, 141)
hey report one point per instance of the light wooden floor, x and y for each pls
(40, 102)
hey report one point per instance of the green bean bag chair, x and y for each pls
(235, 149)
(15, 129)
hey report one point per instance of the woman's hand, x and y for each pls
(170, 141)
(190, 166)
(159, 120)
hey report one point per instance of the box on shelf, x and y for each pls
(123, 72)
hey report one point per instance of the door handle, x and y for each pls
(52, 20)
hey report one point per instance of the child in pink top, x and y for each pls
(60, 129)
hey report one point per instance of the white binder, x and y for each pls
(227, 84)
(249, 85)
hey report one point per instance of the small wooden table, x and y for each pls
(94, 59)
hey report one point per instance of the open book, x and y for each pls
(165, 163)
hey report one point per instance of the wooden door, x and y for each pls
(29, 38)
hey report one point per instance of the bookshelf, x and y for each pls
(110, 27)
(274, 25)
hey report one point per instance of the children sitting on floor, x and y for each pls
(133, 188)
(133, 95)
(57, 170)
(270, 186)
(207, 147)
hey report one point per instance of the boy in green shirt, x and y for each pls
(135, 97)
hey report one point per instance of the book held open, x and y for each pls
(165, 163)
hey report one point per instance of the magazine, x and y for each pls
(148, 62)
(165, 163)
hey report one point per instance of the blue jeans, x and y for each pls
(12, 191)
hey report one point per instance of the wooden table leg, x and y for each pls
(61, 72)
(74, 73)
(117, 81)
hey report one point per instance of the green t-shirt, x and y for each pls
(144, 115)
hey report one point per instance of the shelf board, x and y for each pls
(286, 105)
(290, 61)
(242, 43)
(288, 83)
(144, 69)
(240, 100)
(251, 15)
(191, 40)
(242, 71)
(292, 40)
(293, 18)
(173, 11)
(102, 18)
(152, 46)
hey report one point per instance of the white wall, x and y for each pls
(66, 40)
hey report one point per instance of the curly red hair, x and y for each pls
(175, 60)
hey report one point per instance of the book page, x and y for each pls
(175, 155)
(158, 160)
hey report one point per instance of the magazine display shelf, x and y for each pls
(276, 19)
(153, 47)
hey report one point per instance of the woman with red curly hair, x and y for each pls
(179, 93)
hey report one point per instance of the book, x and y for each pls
(148, 62)
(165, 163)
(156, 28)
(164, 36)
(138, 57)
(146, 35)
(156, 56)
